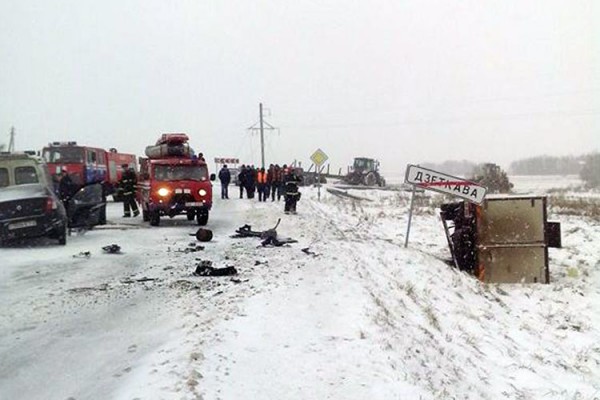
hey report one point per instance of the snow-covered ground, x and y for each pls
(359, 317)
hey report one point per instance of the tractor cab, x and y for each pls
(365, 164)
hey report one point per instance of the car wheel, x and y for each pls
(202, 218)
(154, 218)
(191, 215)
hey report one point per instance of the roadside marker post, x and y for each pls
(410, 212)
(429, 179)
(318, 158)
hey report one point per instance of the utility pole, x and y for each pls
(262, 125)
(262, 136)
(11, 142)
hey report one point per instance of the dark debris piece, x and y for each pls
(83, 254)
(192, 248)
(272, 241)
(204, 235)
(211, 271)
(246, 231)
(307, 251)
(112, 249)
(205, 268)
(144, 279)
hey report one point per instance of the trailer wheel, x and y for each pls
(202, 217)
(154, 218)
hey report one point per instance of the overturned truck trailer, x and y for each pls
(503, 240)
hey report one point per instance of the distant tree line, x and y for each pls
(548, 165)
(586, 166)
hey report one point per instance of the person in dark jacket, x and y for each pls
(225, 178)
(292, 194)
(241, 180)
(66, 187)
(281, 184)
(271, 181)
(250, 181)
(277, 182)
(128, 184)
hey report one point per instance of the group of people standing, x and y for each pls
(275, 182)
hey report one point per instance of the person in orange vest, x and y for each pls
(261, 184)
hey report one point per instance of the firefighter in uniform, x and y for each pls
(128, 184)
(292, 195)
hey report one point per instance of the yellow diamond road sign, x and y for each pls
(319, 157)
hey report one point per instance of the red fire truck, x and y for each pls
(87, 165)
(174, 181)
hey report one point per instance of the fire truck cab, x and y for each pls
(174, 185)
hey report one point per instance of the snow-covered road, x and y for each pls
(362, 318)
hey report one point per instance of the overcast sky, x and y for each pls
(399, 80)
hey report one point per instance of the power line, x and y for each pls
(262, 126)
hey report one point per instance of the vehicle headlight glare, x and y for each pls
(202, 192)
(162, 192)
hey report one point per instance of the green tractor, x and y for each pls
(364, 171)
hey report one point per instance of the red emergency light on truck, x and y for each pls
(174, 181)
(87, 165)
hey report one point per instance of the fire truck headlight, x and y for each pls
(202, 192)
(162, 192)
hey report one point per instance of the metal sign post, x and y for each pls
(319, 184)
(410, 212)
(318, 158)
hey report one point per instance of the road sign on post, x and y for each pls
(432, 180)
(318, 158)
(429, 179)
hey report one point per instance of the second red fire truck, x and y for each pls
(86, 165)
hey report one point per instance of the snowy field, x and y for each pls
(358, 317)
(545, 183)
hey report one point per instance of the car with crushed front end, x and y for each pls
(29, 207)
